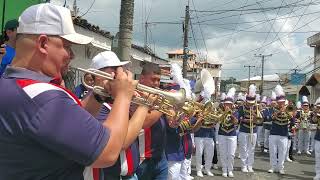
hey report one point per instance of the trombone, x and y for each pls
(164, 103)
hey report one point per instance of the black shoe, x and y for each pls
(292, 158)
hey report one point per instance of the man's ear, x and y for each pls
(42, 44)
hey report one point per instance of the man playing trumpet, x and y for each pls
(56, 134)
(129, 159)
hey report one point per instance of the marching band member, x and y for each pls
(174, 147)
(152, 138)
(227, 135)
(241, 98)
(316, 119)
(263, 109)
(248, 130)
(260, 132)
(304, 118)
(204, 143)
(59, 138)
(279, 133)
(129, 159)
(295, 137)
(267, 121)
(313, 130)
(291, 134)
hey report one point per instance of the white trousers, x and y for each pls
(317, 156)
(278, 145)
(288, 148)
(312, 141)
(295, 141)
(177, 170)
(217, 126)
(266, 138)
(205, 145)
(246, 148)
(303, 140)
(227, 149)
(260, 135)
(187, 165)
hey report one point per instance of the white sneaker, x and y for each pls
(265, 150)
(308, 153)
(289, 160)
(190, 177)
(224, 175)
(271, 170)
(282, 172)
(230, 174)
(215, 166)
(299, 152)
(244, 169)
(209, 173)
(199, 174)
(250, 169)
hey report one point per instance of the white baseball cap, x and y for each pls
(50, 19)
(107, 59)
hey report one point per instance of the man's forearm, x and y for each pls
(135, 125)
(151, 118)
(91, 105)
(117, 123)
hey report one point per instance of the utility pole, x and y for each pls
(146, 34)
(249, 73)
(185, 43)
(125, 30)
(262, 69)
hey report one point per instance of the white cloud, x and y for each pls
(240, 50)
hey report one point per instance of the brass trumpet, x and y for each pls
(165, 101)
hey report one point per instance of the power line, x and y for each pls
(255, 9)
(194, 39)
(233, 31)
(204, 42)
(229, 34)
(256, 21)
(255, 12)
(88, 9)
(274, 40)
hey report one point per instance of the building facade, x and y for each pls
(194, 66)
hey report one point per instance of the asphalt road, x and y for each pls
(301, 169)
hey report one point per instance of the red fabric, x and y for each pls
(25, 82)
(186, 144)
(96, 175)
(129, 161)
(147, 146)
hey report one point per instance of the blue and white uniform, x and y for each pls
(266, 114)
(247, 139)
(227, 142)
(304, 133)
(279, 139)
(203, 139)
